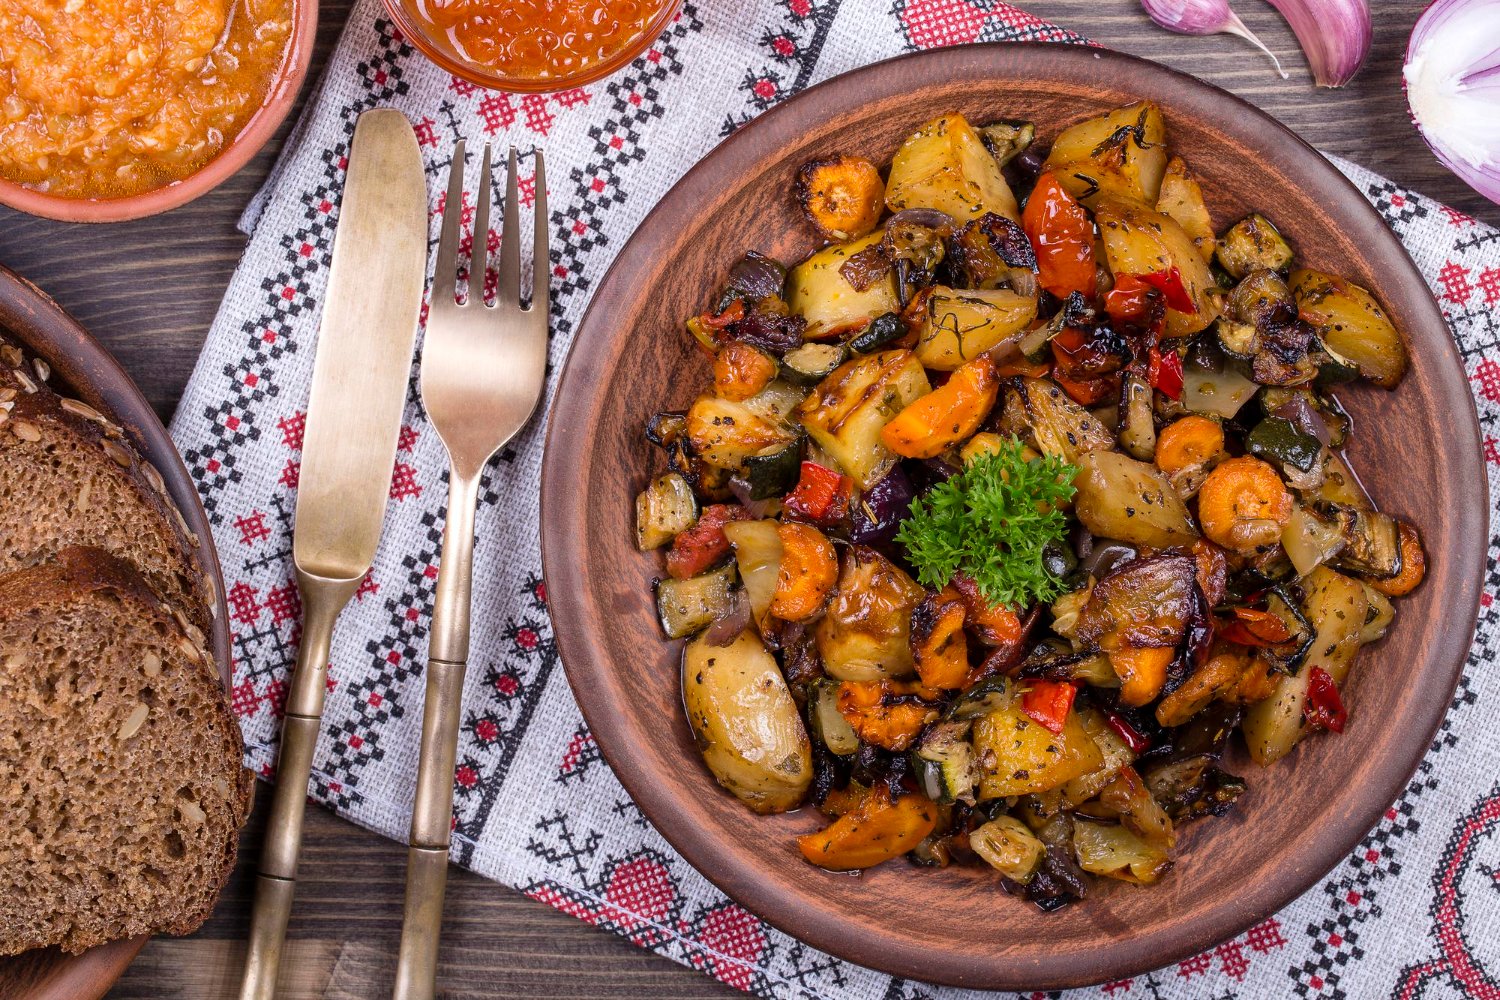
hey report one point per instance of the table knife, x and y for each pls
(359, 385)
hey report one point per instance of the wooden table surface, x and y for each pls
(149, 289)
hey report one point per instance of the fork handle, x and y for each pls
(432, 812)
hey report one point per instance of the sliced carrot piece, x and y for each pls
(1142, 672)
(1188, 441)
(809, 569)
(933, 423)
(1413, 565)
(879, 715)
(938, 643)
(875, 831)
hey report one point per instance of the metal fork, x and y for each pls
(483, 368)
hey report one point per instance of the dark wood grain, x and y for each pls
(625, 365)
(149, 292)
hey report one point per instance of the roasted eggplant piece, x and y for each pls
(841, 197)
(883, 331)
(990, 252)
(1372, 543)
(1041, 414)
(1193, 786)
(1140, 604)
(1007, 139)
(1251, 244)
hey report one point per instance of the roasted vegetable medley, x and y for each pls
(1007, 508)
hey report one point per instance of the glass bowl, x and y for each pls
(440, 52)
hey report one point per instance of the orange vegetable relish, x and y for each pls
(109, 98)
(536, 39)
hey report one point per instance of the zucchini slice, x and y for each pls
(685, 607)
(943, 763)
(812, 362)
(773, 473)
(663, 511)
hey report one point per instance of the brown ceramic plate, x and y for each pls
(82, 366)
(1418, 448)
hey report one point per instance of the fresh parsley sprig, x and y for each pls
(991, 522)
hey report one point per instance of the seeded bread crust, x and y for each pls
(68, 476)
(122, 788)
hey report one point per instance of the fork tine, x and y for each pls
(541, 260)
(509, 292)
(479, 256)
(445, 270)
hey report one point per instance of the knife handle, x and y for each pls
(432, 812)
(323, 598)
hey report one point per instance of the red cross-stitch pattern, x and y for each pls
(1454, 278)
(404, 483)
(252, 527)
(284, 603)
(292, 429)
(243, 607)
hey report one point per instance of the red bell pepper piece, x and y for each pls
(1166, 372)
(1171, 285)
(1325, 709)
(1063, 237)
(733, 313)
(1130, 300)
(696, 550)
(821, 495)
(1132, 736)
(1048, 702)
(1088, 392)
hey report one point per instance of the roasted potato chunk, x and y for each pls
(1130, 501)
(819, 292)
(865, 634)
(847, 411)
(1122, 153)
(1181, 199)
(962, 324)
(1352, 325)
(746, 723)
(945, 165)
(1139, 240)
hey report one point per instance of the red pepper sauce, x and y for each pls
(537, 39)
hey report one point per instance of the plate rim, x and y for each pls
(882, 949)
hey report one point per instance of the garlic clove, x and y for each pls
(1335, 36)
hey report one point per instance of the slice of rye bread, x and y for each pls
(68, 476)
(122, 788)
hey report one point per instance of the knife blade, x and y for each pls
(353, 422)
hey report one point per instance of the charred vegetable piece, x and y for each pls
(1121, 498)
(820, 293)
(1138, 240)
(828, 723)
(1007, 846)
(704, 544)
(1413, 565)
(1251, 244)
(876, 516)
(938, 643)
(1017, 756)
(960, 325)
(1351, 325)
(1243, 505)
(1007, 139)
(1143, 603)
(746, 723)
(741, 371)
(812, 362)
(663, 511)
(1181, 199)
(883, 331)
(809, 569)
(685, 607)
(1218, 677)
(1121, 153)
(1063, 237)
(847, 411)
(821, 494)
(993, 623)
(756, 277)
(1276, 440)
(931, 424)
(1040, 413)
(884, 712)
(725, 433)
(943, 763)
(1137, 419)
(875, 831)
(944, 165)
(1193, 786)
(989, 695)
(842, 197)
(865, 633)
(1372, 543)
(1337, 607)
(992, 251)
(774, 472)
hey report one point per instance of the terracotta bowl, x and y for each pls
(256, 133)
(1418, 448)
(82, 365)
